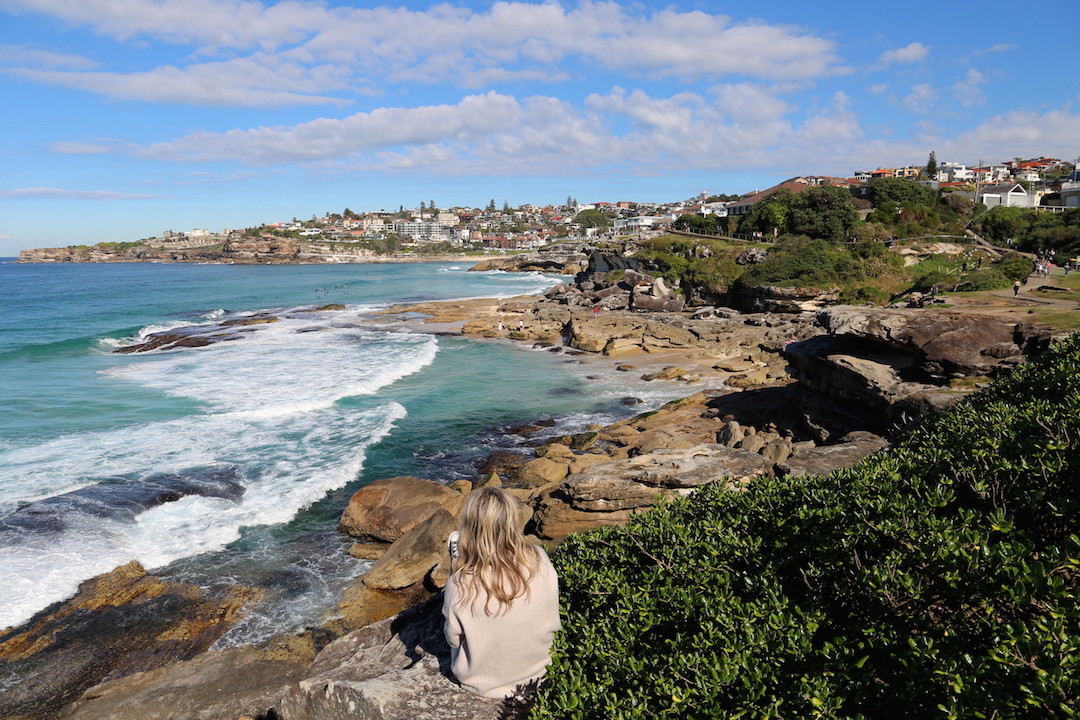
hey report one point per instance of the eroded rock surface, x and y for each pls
(119, 623)
(395, 669)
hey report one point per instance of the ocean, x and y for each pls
(232, 462)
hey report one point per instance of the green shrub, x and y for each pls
(988, 279)
(934, 580)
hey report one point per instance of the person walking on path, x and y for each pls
(1016, 288)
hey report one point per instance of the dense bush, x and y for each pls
(934, 580)
(802, 262)
(820, 212)
(1029, 230)
(693, 265)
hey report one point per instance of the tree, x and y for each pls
(931, 166)
(506, 206)
(768, 216)
(823, 212)
(491, 205)
(423, 206)
(899, 191)
(591, 219)
(697, 223)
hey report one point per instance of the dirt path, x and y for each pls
(1039, 300)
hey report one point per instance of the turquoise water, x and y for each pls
(232, 462)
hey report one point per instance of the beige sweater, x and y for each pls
(492, 654)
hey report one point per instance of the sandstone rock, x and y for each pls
(598, 493)
(731, 434)
(503, 463)
(586, 460)
(670, 372)
(397, 669)
(940, 342)
(751, 378)
(824, 459)
(463, 487)
(554, 517)
(777, 450)
(656, 304)
(411, 556)
(734, 365)
(362, 605)
(228, 684)
(368, 551)
(119, 623)
(491, 480)
(542, 471)
(386, 509)
(621, 346)
(652, 440)
(752, 443)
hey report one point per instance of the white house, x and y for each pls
(1070, 193)
(639, 222)
(1006, 195)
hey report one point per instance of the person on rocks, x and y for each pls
(501, 603)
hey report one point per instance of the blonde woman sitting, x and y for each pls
(501, 607)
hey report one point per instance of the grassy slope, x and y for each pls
(938, 579)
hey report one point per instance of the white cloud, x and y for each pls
(920, 99)
(1020, 133)
(328, 139)
(969, 91)
(25, 56)
(35, 193)
(81, 148)
(314, 49)
(912, 52)
(257, 81)
(728, 128)
(878, 88)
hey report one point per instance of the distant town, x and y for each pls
(1050, 183)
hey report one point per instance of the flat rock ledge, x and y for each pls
(395, 669)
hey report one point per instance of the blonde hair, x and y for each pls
(495, 562)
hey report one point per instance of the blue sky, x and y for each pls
(124, 118)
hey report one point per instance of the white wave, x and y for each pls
(286, 463)
(283, 368)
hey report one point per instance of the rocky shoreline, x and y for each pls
(778, 394)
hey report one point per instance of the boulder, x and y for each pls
(232, 683)
(554, 517)
(118, 623)
(386, 509)
(413, 555)
(939, 343)
(362, 605)
(690, 467)
(656, 304)
(542, 471)
(671, 372)
(824, 459)
(396, 669)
